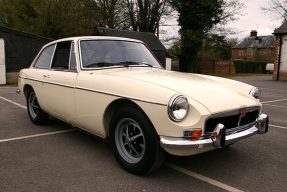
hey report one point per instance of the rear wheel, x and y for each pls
(36, 114)
(134, 141)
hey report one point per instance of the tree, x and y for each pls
(109, 13)
(196, 19)
(175, 48)
(144, 15)
(49, 18)
(62, 18)
(278, 8)
(217, 47)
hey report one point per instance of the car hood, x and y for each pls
(215, 94)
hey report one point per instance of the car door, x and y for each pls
(38, 71)
(59, 82)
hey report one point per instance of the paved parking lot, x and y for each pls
(57, 157)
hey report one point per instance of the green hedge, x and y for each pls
(244, 66)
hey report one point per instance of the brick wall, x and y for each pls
(235, 54)
(224, 67)
(209, 66)
(276, 58)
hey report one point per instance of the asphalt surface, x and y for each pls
(57, 157)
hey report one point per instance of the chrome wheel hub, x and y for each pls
(130, 140)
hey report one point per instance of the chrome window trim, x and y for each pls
(111, 67)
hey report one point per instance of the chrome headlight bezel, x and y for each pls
(178, 107)
(255, 92)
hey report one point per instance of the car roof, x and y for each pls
(94, 38)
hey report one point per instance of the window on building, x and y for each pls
(250, 51)
(241, 52)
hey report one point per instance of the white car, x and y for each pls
(269, 67)
(116, 89)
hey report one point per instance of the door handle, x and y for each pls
(46, 76)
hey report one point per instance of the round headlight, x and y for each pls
(178, 107)
(255, 92)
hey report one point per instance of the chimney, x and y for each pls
(253, 33)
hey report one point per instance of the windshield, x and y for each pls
(106, 53)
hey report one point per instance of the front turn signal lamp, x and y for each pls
(192, 134)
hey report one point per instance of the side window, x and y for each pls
(45, 58)
(62, 56)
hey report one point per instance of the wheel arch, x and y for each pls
(113, 107)
(26, 89)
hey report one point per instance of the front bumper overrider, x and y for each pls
(218, 138)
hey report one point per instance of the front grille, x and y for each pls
(232, 119)
(249, 117)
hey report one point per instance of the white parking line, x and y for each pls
(13, 102)
(36, 135)
(202, 178)
(273, 101)
(275, 106)
(277, 126)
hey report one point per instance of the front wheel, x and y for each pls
(134, 141)
(36, 114)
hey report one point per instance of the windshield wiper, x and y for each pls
(99, 64)
(129, 63)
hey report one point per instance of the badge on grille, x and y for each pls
(243, 112)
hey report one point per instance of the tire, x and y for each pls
(36, 114)
(135, 142)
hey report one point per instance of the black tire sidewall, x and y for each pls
(41, 117)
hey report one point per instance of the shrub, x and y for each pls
(244, 66)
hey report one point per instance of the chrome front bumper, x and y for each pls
(218, 138)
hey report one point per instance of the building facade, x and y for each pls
(280, 62)
(255, 48)
(17, 51)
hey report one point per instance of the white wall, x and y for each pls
(168, 63)
(2, 63)
(283, 65)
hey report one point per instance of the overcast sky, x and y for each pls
(255, 19)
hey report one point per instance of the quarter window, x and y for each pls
(45, 58)
(73, 63)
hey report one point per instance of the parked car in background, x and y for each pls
(116, 89)
(269, 67)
